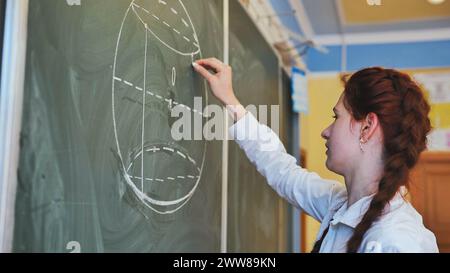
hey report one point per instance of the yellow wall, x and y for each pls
(323, 92)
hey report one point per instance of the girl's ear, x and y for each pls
(369, 126)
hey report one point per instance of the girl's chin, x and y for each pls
(330, 166)
(327, 163)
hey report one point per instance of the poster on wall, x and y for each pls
(437, 86)
(300, 102)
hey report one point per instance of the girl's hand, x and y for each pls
(220, 82)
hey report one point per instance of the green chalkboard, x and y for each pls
(257, 215)
(99, 168)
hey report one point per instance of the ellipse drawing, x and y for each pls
(156, 45)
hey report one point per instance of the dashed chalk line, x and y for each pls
(158, 96)
(179, 177)
(165, 23)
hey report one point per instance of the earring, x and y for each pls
(360, 145)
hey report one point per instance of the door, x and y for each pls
(430, 194)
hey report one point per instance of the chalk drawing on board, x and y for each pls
(143, 163)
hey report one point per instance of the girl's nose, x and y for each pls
(325, 133)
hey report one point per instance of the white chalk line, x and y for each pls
(144, 9)
(184, 22)
(192, 160)
(164, 22)
(155, 149)
(172, 150)
(169, 178)
(174, 76)
(158, 96)
(143, 110)
(181, 154)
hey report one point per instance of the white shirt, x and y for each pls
(399, 229)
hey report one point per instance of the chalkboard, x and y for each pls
(99, 170)
(257, 216)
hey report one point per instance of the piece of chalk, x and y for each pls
(194, 64)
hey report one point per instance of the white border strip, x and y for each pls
(340, 16)
(325, 74)
(273, 32)
(386, 37)
(335, 73)
(226, 60)
(302, 18)
(11, 99)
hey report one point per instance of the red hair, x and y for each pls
(402, 110)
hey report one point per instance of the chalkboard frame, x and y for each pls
(11, 94)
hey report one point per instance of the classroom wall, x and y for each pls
(323, 94)
(324, 91)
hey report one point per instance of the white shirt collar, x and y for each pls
(352, 216)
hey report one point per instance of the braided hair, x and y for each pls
(402, 111)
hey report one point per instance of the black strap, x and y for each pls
(318, 244)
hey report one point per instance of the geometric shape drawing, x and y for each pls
(156, 45)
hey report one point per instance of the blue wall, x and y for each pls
(393, 55)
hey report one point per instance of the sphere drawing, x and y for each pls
(156, 45)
